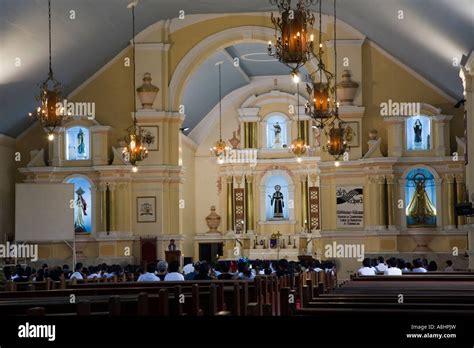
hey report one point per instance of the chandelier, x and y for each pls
(298, 146)
(220, 147)
(324, 107)
(135, 149)
(293, 45)
(50, 94)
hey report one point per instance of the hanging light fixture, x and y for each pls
(135, 149)
(298, 146)
(293, 45)
(336, 145)
(220, 146)
(50, 94)
(320, 86)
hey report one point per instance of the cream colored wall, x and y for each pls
(7, 187)
(188, 195)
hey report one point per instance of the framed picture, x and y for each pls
(351, 134)
(146, 209)
(151, 137)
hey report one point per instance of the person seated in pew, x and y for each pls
(66, 271)
(225, 268)
(366, 270)
(316, 266)
(189, 268)
(56, 274)
(77, 272)
(373, 264)
(244, 271)
(282, 268)
(20, 275)
(409, 266)
(432, 266)
(403, 265)
(418, 266)
(392, 267)
(449, 266)
(162, 270)
(204, 270)
(381, 266)
(173, 274)
(425, 263)
(149, 275)
(194, 273)
(39, 276)
(94, 272)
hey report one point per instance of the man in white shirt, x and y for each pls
(173, 274)
(381, 266)
(366, 270)
(393, 269)
(77, 272)
(418, 266)
(149, 276)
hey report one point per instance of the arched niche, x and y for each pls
(276, 132)
(84, 203)
(408, 193)
(266, 188)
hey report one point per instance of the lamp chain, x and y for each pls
(220, 104)
(133, 58)
(49, 28)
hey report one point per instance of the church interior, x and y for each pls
(214, 131)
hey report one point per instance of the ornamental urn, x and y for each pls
(346, 89)
(147, 92)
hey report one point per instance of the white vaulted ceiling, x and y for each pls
(432, 34)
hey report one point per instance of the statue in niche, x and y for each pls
(81, 211)
(277, 131)
(277, 203)
(81, 148)
(420, 207)
(418, 129)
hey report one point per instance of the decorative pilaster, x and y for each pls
(304, 200)
(395, 135)
(249, 203)
(230, 203)
(382, 201)
(460, 189)
(390, 200)
(112, 207)
(449, 185)
(441, 126)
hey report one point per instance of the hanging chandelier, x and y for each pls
(50, 94)
(220, 147)
(321, 87)
(324, 107)
(135, 149)
(293, 44)
(298, 146)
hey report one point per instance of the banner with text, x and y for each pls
(350, 206)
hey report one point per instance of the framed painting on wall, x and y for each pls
(146, 209)
(351, 134)
(151, 137)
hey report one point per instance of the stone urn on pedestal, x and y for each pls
(213, 221)
(147, 92)
(346, 89)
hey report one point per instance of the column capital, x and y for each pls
(449, 178)
(390, 179)
(459, 178)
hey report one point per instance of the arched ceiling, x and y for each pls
(431, 35)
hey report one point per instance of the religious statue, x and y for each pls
(277, 131)
(277, 203)
(80, 211)
(418, 128)
(80, 142)
(172, 245)
(420, 207)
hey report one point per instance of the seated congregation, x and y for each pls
(398, 266)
